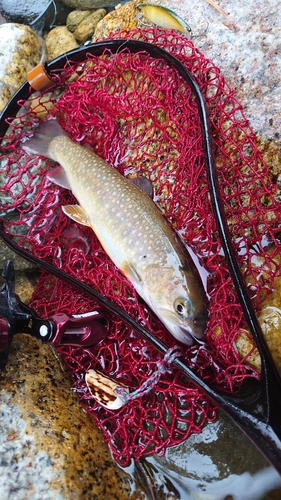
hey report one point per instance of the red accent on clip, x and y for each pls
(85, 330)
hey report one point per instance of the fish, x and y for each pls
(164, 17)
(131, 229)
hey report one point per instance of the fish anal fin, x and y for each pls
(130, 272)
(76, 213)
(58, 176)
(144, 184)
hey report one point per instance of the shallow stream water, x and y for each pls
(218, 464)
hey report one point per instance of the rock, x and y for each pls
(20, 50)
(50, 448)
(2, 19)
(41, 106)
(76, 17)
(249, 57)
(7, 254)
(37, 15)
(58, 41)
(88, 25)
(123, 17)
(90, 4)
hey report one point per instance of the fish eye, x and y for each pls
(182, 306)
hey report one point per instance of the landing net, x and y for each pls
(138, 114)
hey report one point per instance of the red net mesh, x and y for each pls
(139, 115)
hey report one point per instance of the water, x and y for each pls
(218, 464)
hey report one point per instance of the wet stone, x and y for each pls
(218, 464)
(2, 19)
(20, 50)
(38, 14)
(8, 254)
(47, 442)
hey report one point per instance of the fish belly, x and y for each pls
(126, 221)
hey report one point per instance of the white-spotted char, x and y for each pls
(131, 229)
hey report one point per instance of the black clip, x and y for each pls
(60, 329)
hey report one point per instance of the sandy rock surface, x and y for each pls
(247, 52)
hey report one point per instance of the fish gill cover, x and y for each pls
(139, 115)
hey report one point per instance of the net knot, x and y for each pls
(163, 366)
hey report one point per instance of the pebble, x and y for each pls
(76, 17)
(122, 17)
(87, 26)
(20, 50)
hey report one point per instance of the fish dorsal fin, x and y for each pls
(76, 213)
(130, 272)
(144, 184)
(58, 176)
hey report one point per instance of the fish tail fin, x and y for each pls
(40, 142)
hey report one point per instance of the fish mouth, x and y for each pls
(191, 332)
(184, 335)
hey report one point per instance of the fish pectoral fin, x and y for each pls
(144, 184)
(76, 213)
(130, 272)
(58, 176)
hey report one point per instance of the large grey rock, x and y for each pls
(248, 56)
